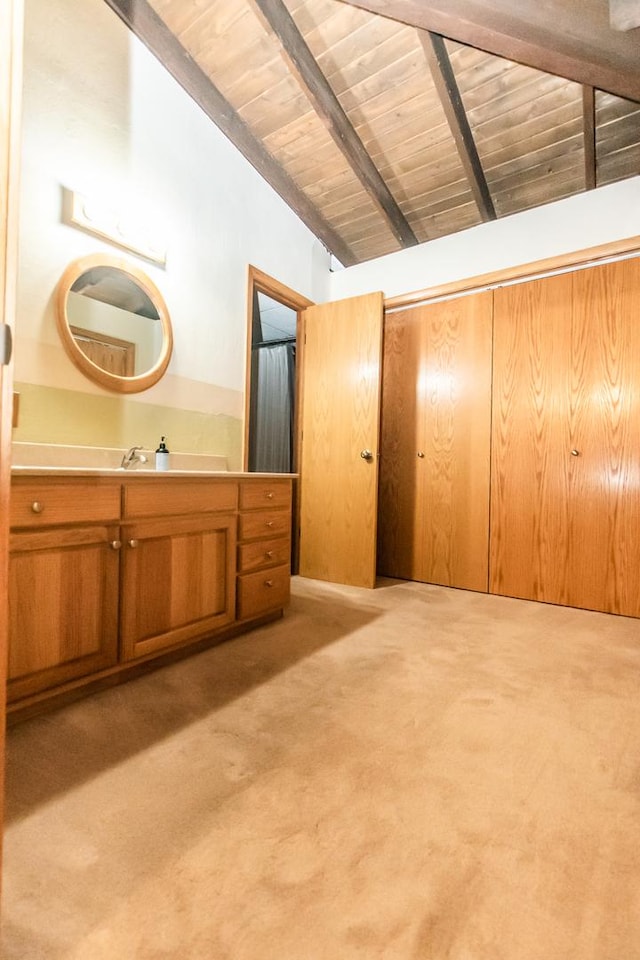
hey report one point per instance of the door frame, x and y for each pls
(260, 282)
(11, 30)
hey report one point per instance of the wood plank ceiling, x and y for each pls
(380, 133)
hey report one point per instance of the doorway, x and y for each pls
(273, 384)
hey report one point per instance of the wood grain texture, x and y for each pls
(340, 418)
(436, 415)
(178, 580)
(585, 49)
(11, 25)
(63, 603)
(566, 528)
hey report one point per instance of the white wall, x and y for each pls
(104, 118)
(589, 219)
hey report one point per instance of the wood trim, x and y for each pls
(91, 370)
(11, 27)
(589, 137)
(587, 53)
(448, 91)
(279, 291)
(145, 23)
(590, 255)
(278, 21)
(262, 282)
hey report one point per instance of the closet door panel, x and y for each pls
(604, 415)
(565, 510)
(401, 496)
(435, 442)
(530, 440)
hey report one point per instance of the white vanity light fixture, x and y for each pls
(123, 229)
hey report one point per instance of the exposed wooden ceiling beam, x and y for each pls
(140, 17)
(578, 44)
(277, 19)
(624, 14)
(589, 134)
(451, 100)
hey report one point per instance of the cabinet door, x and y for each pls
(435, 443)
(340, 421)
(178, 580)
(566, 440)
(63, 606)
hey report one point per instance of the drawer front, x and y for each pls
(171, 497)
(265, 493)
(266, 524)
(263, 553)
(263, 592)
(37, 504)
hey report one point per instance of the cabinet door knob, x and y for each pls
(269, 495)
(575, 453)
(268, 583)
(420, 454)
(366, 455)
(133, 544)
(37, 507)
(268, 523)
(115, 544)
(269, 554)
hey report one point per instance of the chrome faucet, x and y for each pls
(132, 458)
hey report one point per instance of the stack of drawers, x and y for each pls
(264, 546)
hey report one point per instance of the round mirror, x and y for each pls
(114, 323)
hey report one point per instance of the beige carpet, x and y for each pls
(412, 773)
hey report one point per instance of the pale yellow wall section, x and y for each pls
(55, 415)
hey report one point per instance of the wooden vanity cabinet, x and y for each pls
(264, 550)
(63, 583)
(178, 563)
(109, 574)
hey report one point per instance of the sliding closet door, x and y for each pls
(565, 511)
(434, 471)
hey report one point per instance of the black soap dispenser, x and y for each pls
(162, 456)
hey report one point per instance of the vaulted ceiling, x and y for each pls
(385, 123)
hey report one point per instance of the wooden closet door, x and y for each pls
(565, 517)
(436, 410)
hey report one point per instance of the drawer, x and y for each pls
(35, 503)
(265, 493)
(263, 592)
(266, 524)
(159, 497)
(263, 553)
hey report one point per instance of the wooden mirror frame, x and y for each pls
(91, 370)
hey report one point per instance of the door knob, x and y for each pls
(575, 453)
(366, 454)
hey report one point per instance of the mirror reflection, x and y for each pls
(114, 323)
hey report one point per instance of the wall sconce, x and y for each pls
(96, 218)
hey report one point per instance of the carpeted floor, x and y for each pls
(410, 773)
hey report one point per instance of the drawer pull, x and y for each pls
(269, 494)
(268, 583)
(115, 544)
(133, 544)
(268, 554)
(268, 523)
(37, 507)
